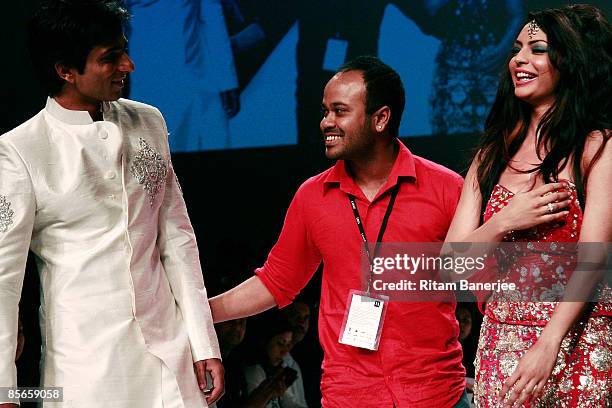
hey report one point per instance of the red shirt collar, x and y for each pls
(403, 167)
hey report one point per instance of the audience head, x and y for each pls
(273, 337)
(465, 318)
(298, 316)
(230, 334)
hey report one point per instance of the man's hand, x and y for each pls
(215, 368)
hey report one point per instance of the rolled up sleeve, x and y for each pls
(293, 259)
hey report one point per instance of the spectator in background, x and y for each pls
(270, 383)
(298, 316)
(465, 317)
(230, 335)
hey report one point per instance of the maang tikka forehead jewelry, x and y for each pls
(532, 28)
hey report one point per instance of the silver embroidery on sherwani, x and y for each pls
(6, 214)
(149, 168)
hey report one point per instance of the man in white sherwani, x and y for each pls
(87, 184)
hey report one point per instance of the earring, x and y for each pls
(379, 127)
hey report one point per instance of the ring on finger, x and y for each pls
(551, 208)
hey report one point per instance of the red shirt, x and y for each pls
(418, 362)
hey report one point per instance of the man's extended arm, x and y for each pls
(247, 299)
(289, 267)
(179, 256)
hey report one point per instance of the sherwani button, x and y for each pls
(110, 175)
(103, 134)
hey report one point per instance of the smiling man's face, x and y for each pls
(345, 124)
(103, 77)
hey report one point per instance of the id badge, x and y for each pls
(335, 54)
(363, 320)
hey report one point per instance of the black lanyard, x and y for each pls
(381, 232)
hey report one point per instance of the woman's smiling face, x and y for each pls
(534, 76)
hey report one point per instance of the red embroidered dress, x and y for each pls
(541, 268)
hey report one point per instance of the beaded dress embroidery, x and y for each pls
(541, 267)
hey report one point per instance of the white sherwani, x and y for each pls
(124, 311)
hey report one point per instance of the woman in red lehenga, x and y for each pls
(544, 169)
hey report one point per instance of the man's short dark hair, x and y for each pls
(65, 31)
(383, 88)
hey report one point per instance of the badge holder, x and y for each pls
(363, 320)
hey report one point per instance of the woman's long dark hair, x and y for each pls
(580, 48)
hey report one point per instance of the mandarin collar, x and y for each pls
(71, 117)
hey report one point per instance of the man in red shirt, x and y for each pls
(418, 360)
